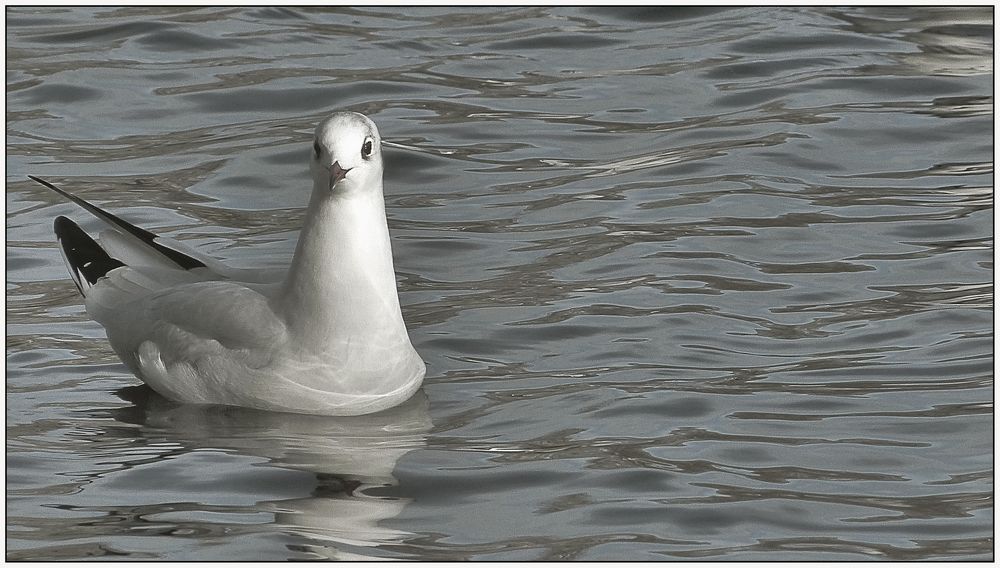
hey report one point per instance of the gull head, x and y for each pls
(347, 154)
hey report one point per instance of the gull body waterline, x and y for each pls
(327, 337)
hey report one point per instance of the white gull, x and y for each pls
(328, 338)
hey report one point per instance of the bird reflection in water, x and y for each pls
(347, 456)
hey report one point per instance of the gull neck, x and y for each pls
(341, 286)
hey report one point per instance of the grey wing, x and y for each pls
(135, 246)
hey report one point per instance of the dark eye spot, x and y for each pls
(366, 149)
(317, 150)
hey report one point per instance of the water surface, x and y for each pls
(690, 283)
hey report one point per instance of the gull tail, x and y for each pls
(143, 238)
(86, 260)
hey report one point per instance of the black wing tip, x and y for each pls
(47, 184)
(86, 260)
(63, 225)
(180, 259)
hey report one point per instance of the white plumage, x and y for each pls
(327, 338)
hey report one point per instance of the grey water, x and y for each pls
(690, 284)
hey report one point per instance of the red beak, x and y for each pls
(337, 173)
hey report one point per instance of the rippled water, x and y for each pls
(690, 284)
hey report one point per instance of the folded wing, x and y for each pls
(137, 247)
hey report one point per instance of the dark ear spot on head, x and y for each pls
(317, 149)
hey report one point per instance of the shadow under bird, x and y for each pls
(326, 338)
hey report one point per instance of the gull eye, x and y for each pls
(366, 149)
(317, 150)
